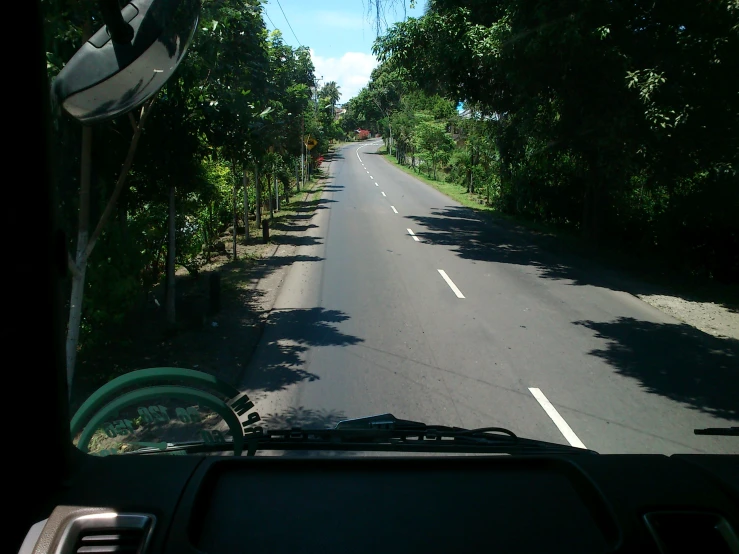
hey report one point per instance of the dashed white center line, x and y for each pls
(558, 420)
(368, 172)
(450, 283)
(384, 194)
(371, 177)
(377, 185)
(393, 207)
(411, 233)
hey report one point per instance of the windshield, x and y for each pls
(468, 214)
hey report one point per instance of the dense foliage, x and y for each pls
(241, 103)
(620, 119)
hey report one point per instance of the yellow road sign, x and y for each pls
(310, 143)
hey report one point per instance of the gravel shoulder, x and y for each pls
(710, 317)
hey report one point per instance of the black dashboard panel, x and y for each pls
(578, 503)
(138, 484)
(400, 506)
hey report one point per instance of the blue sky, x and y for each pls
(339, 34)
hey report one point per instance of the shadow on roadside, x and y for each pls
(476, 237)
(675, 361)
(287, 336)
(220, 344)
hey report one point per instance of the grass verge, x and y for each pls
(476, 201)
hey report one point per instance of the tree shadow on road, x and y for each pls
(304, 418)
(294, 240)
(675, 361)
(216, 341)
(220, 344)
(475, 236)
(333, 155)
(294, 228)
(287, 336)
(317, 204)
(261, 268)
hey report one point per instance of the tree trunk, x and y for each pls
(209, 242)
(171, 246)
(233, 208)
(258, 194)
(246, 208)
(271, 202)
(85, 241)
(80, 261)
(277, 194)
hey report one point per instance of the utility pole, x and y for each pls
(302, 150)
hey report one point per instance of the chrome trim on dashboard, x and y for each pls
(104, 521)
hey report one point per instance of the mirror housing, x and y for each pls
(108, 77)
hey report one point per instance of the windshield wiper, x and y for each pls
(382, 433)
(728, 431)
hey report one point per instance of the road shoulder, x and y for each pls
(711, 308)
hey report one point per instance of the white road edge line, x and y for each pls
(450, 283)
(558, 420)
(393, 207)
(384, 194)
(411, 233)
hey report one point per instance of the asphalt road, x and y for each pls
(400, 300)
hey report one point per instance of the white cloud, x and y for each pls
(351, 71)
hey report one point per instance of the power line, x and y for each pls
(288, 23)
(270, 19)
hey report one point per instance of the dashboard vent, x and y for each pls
(676, 532)
(124, 541)
(107, 532)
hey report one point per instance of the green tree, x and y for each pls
(611, 117)
(237, 92)
(434, 142)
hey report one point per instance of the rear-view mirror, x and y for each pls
(112, 75)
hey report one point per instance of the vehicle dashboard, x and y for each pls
(561, 503)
